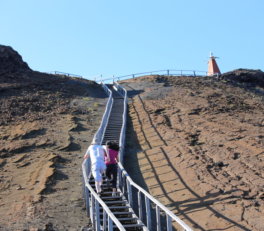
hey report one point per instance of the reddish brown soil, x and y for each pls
(46, 124)
(197, 145)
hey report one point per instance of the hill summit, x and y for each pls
(11, 61)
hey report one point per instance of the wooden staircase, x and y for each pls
(119, 206)
(117, 203)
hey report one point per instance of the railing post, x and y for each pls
(97, 213)
(148, 215)
(104, 220)
(123, 182)
(110, 224)
(87, 202)
(169, 226)
(139, 206)
(119, 177)
(83, 188)
(92, 211)
(129, 191)
(158, 217)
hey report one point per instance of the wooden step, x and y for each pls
(111, 197)
(125, 219)
(131, 225)
(118, 207)
(122, 214)
(115, 202)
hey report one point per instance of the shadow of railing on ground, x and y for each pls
(202, 202)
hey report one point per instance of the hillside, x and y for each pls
(46, 124)
(196, 144)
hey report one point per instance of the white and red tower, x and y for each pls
(213, 68)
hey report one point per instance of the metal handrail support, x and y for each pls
(148, 198)
(123, 129)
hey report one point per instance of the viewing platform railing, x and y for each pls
(168, 72)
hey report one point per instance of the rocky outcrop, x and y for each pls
(11, 61)
(247, 76)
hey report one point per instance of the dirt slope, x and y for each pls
(46, 124)
(198, 146)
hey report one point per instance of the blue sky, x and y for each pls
(123, 37)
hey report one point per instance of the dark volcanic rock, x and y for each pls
(11, 61)
(247, 76)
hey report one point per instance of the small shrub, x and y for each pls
(96, 104)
